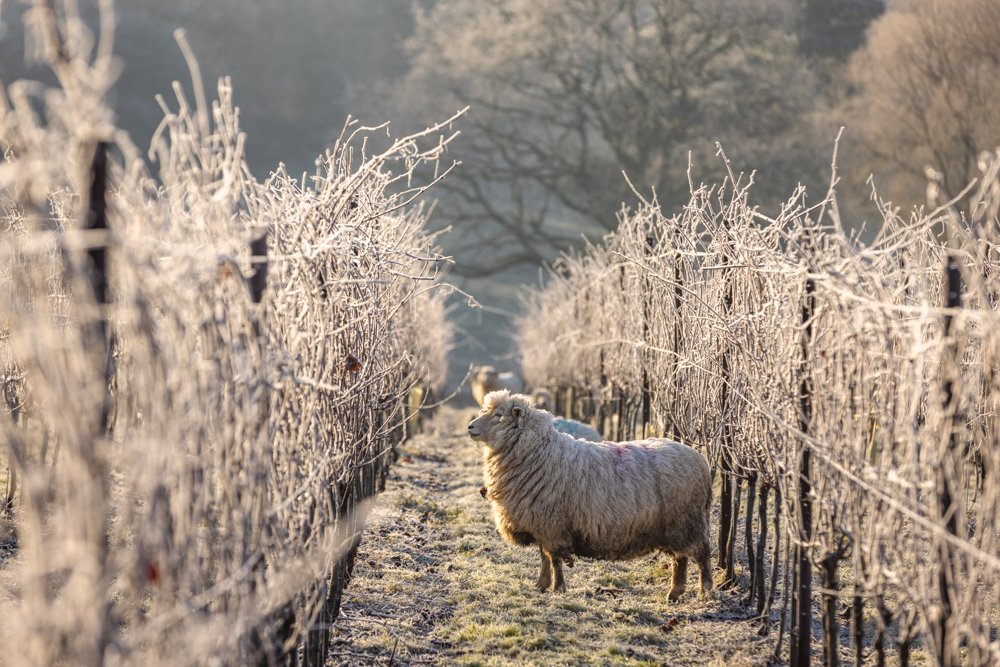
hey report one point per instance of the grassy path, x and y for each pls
(435, 585)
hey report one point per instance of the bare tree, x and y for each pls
(835, 29)
(927, 94)
(566, 95)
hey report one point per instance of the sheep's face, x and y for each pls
(501, 418)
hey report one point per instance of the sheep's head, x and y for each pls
(486, 375)
(501, 419)
(543, 399)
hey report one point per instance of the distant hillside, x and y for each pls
(293, 63)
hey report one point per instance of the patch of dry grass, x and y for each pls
(434, 584)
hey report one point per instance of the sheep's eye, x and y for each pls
(498, 415)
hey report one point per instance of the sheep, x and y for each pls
(542, 399)
(609, 501)
(570, 427)
(577, 429)
(486, 379)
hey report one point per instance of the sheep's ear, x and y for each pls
(518, 412)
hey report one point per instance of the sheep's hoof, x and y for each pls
(543, 586)
(675, 594)
(559, 588)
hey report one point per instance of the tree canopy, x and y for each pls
(566, 95)
(927, 94)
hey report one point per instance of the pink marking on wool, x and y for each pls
(620, 451)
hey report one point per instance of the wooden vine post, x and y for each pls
(858, 611)
(675, 359)
(96, 269)
(604, 402)
(760, 583)
(727, 527)
(748, 536)
(947, 507)
(265, 641)
(646, 298)
(830, 597)
(801, 634)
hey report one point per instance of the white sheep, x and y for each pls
(542, 398)
(486, 379)
(577, 429)
(610, 501)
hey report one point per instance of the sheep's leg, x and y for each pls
(704, 557)
(680, 578)
(545, 576)
(558, 583)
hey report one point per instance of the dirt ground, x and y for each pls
(434, 584)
